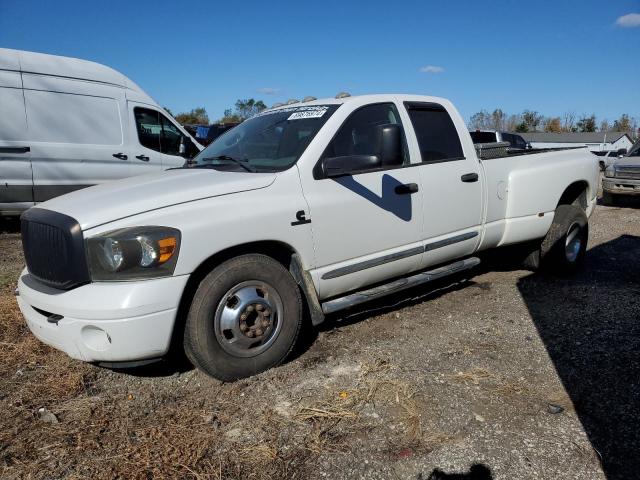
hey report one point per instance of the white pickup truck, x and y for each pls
(301, 211)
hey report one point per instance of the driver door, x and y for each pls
(366, 226)
(146, 130)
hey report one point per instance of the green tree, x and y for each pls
(553, 125)
(623, 124)
(587, 124)
(522, 127)
(479, 121)
(532, 120)
(195, 116)
(248, 108)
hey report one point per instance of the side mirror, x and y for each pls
(340, 166)
(389, 139)
(386, 146)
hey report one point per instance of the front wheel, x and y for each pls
(563, 248)
(245, 318)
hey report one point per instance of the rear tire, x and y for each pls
(245, 318)
(563, 248)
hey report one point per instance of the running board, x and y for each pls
(398, 285)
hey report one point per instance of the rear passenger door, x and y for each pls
(15, 154)
(451, 185)
(75, 130)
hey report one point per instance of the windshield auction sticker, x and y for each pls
(310, 112)
(299, 113)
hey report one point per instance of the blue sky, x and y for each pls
(549, 56)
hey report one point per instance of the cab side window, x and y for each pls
(149, 127)
(437, 135)
(357, 135)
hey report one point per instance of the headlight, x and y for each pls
(133, 253)
(610, 171)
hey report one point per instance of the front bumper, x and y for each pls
(621, 186)
(103, 322)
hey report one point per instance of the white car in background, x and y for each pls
(66, 124)
(622, 176)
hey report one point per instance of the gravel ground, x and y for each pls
(502, 375)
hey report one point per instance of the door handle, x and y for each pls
(15, 149)
(469, 177)
(120, 155)
(144, 158)
(406, 188)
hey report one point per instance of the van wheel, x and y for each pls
(563, 249)
(609, 199)
(245, 318)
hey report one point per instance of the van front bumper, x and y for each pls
(104, 322)
(621, 185)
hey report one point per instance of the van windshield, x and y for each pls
(271, 141)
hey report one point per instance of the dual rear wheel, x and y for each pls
(563, 248)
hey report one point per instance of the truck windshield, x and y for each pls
(271, 141)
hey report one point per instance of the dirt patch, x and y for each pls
(526, 376)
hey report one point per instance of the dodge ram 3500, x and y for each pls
(298, 212)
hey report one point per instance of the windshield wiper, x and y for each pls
(242, 163)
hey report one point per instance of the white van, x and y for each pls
(67, 123)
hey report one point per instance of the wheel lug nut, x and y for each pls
(250, 334)
(243, 327)
(259, 307)
(259, 332)
(243, 317)
(265, 323)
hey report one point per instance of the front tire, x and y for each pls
(563, 248)
(245, 318)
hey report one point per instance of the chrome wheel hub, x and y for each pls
(573, 243)
(247, 319)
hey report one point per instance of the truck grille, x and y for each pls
(628, 171)
(53, 247)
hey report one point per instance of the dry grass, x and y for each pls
(474, 376)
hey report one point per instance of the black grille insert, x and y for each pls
(54, 248)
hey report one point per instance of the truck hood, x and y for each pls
(122, 198)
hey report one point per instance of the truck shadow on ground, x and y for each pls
(624, 201)
(9, 224)
(590, 326)
(477, 471)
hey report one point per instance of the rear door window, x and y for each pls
(437, 135)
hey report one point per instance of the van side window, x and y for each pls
(437, 135)
(149, 127)
(171, 137)
(357, 134)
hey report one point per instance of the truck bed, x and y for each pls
(487, 151)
